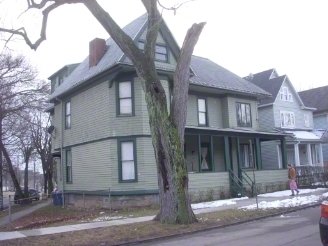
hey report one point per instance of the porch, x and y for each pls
(304, 154)
(231, 154)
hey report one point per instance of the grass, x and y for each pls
(57, 216)
(17, 208)
(139, 231)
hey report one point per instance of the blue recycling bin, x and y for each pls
(57, 198)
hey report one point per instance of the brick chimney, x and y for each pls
(96, 51)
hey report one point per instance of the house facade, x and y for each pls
(286, 112)
(102, 140)
(318, 98)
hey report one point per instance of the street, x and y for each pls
(295, 229)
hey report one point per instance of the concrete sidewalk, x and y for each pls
(93, 225)
(5, 220)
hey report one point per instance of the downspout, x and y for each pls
(61, 147)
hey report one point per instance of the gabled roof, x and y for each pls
(270, 81)
(210, 74)
(316, 98)
(206, 72)
(272, 86)
(111, 57)
(64, 67)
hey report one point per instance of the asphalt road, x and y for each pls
(295, 229)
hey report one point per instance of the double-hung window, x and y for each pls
(161, 53)
(68, 115)
(287, 119)
(244, 118)
(285, 95)
(306, 120)
(127, 161)
(125, 98)
(202, 113)
(69, 166)
(245, 156)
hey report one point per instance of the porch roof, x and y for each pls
(234, 132)
(314, 135)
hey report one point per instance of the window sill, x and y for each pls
(125, 115)
(129, 181)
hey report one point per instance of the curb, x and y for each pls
(154, 239)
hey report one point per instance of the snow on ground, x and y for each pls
(217, 203)
(294, 202)
(108, 218)
(288, 192)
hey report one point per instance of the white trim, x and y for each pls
(279, 160)
(291, 113)
(309, 154)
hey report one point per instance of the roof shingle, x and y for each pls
(315, 98)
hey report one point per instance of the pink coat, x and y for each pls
(293, 185)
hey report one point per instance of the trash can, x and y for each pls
(57, 198)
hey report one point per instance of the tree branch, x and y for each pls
(181, 75)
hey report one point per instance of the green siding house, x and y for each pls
(101, 137)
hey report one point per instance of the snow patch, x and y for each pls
(108, 218)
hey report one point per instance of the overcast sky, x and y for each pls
(242, 36)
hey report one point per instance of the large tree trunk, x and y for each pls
(11, 170)
(172, 172)
(45, 180)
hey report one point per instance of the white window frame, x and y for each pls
(306, 120)
(283, 120)
(128, 161)
(123, 97)
(202, 111)
(285, 95)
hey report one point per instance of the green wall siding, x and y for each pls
(146, 167)
(233, 114)
(266, 118)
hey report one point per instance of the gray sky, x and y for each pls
(242, 36)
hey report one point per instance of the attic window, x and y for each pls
(161, 53)
(285, 95)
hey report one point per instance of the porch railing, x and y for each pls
(248, 180)
(236, 185)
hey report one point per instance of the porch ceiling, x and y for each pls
(195, 130)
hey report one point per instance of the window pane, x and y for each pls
(243, 113)
(126, 106)
(282, 119)
(128, 170)
(248, 114)
(125, 89)
(68, 121)
(141, 45)
(202, 118)
(68, 108)
(161, 49)
(201, 105)
(69, 174)
(69, 158)
(127, 151)
(160, 57)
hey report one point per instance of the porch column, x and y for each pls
(297, 155)
(283, 153)
(238, 157)
(279, 157)
(258, 156)
(199, 154)
(320, 154)
(309, 154)
(227, 159)
(212, 153)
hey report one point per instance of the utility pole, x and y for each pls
(34, 175)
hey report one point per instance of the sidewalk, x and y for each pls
(20, 214)
(85, 226)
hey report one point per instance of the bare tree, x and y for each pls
(42, 143)
(167, 127)
(20, 93)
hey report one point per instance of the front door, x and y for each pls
(206, 164)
